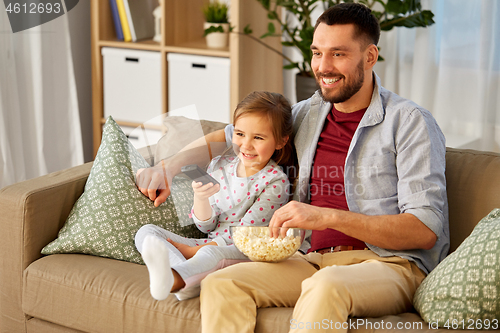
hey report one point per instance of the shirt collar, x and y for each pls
(375, 112)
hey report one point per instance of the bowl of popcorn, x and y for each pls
(267, 244)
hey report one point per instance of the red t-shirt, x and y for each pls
(327, 177)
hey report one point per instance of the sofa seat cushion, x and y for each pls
(409, 322)
(95, 294)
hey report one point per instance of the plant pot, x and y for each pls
(305, 87)
(217, 40)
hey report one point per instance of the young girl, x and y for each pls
(251, 187)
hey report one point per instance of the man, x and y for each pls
(371, 188)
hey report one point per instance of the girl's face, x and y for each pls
(254, 143)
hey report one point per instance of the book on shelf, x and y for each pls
(129, 20)
(116, 19)
(140, 18)
(123, 19)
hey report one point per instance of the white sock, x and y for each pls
(156, 257)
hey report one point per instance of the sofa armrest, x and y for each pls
(31, 214)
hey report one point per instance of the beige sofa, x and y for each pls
(82, 293)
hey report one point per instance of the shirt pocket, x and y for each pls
(376, 177)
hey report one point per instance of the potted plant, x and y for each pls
(216, 24)
(297, 27)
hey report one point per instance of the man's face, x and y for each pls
(337, 62)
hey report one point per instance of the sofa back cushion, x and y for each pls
(473, 186)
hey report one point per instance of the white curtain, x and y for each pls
(39, 121)
(451, 68)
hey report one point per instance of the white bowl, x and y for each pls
(258, 244)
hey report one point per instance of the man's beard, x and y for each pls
(346, 91)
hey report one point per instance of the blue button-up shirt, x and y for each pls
(395, 164)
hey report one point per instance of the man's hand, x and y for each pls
(393, 232)
(154, 183)
(298, 215)
(186, 250)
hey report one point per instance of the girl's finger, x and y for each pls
(209, 188)
(196, 185)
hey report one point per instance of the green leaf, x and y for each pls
(288, 4)
(247, 30)
(422, 19)
(289, 44)
(271, 31)
(213, 29)
(307, 35)
(291, 66)
(271, 28)
(378, 15)
(403, 7)
(265, 3)
(396, 7)
(415, 6)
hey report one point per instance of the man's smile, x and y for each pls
(329, 81)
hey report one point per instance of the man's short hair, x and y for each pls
(366, 23)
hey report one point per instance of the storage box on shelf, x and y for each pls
(207, 80)
(132, 84)
(251, 66)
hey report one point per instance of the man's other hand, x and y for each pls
(154, 183)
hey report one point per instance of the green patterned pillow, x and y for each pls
(463, 291)
(105, 219)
